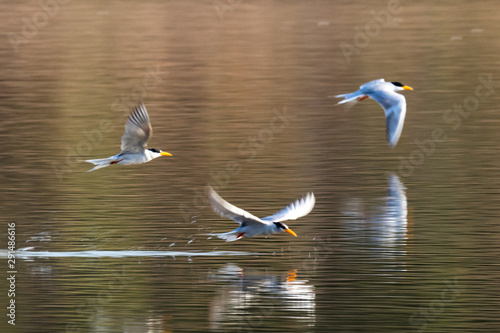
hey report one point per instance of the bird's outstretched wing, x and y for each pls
(225, 209)
(293, 211)
(371, 84)
(394, 106)
(137, 130)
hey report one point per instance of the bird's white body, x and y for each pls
(246, 231)
(250, 225)
(124, 159)
(137, 132)
(393, 104)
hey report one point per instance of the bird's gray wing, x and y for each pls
(372, 84)
(394, 106)
(137, 130)
(225, 209)
(293, 211)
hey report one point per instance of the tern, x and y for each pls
(137, 132)
(393, 104)
(250, 225)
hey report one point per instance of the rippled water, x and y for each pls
(400, 240)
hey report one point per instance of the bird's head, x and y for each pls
(283, 227)
(157, 152)
(399, 86)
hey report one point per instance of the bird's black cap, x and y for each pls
(154, 150)
(280, 225)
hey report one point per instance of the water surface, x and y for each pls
(400, 240)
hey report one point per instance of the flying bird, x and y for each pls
(250, 225)
(393, 104)
(137, 132)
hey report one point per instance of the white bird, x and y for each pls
(250, 225)
(137, 132)
(385, 94)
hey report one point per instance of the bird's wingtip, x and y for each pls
(209, 190)
(311, 195)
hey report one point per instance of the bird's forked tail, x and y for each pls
(230, 236)
(351, 98)
(101, 162)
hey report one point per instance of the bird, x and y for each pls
(393, 104)
(250, 225)
(137, 132)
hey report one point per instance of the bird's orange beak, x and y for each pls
(407, 88)
(291, 232)
(164, 153)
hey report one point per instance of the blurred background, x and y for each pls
(400, 240)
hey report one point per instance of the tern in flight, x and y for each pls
(250, 225)
(393, 103)
(137, 132)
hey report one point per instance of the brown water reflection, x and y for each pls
(400, 240)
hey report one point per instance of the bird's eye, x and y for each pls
(397, 84)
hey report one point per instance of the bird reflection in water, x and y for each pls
(382, 227)
(248, 298)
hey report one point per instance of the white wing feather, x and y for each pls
(394, 105)
(225, 209)
(293, 211)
